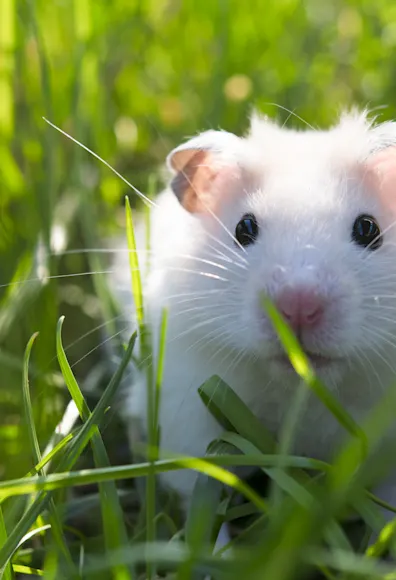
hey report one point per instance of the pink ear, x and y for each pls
(381, 177)
(206, 169)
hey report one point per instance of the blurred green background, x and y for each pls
(130, 79)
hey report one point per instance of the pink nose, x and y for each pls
(301, 307)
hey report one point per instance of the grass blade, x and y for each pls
(28, 404)
(65, 465)
(253, 438)
(46, 194)
(27, 570)
(233, 414)
(146, 353)
(87, 430)
(296, 484)
(286, 436)
(12, 543)
(7, 46)
(5, 571)
(304, 369)
(56, 526)
(160, 370)
(385, 539)
(113, 522)
(45, 460)
(137, 290)
(212, 466)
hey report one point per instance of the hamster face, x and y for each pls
(307, 229)
(317, 238)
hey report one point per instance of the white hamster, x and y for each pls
(305, 216)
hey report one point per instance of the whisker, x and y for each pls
(233, 364)
(194, 294)
(221, 349)
(380, 235)
(138, 251)
(228, 259)
(223, 245)
(380, 333)
(203, 308)
(201, 325)
(178, 407)
(388, 243)
(215, 217)
(99, 346)
(386, 362)
(225, 257)
(291, 113)
(209, 337)
(228, 232)
(107, 272)
(139, 193)
(367, 361)
(86, 334)
(385, 318)
(379, 307)
(372, 283)
(44, 278)
(195, 272)
(383, 232)
(209, 210)
(387, 296)
(204, 340)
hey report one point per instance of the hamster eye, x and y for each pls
(247, 230)
(366, 232)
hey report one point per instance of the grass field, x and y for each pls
(131, 79)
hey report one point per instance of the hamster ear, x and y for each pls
(204, 169)
(380, 173)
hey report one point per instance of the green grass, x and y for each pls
(130, 80)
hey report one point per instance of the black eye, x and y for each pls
(366, 232)
(247, 230)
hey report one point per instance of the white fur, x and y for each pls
(305, 189)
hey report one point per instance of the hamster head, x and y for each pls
(306, 217)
